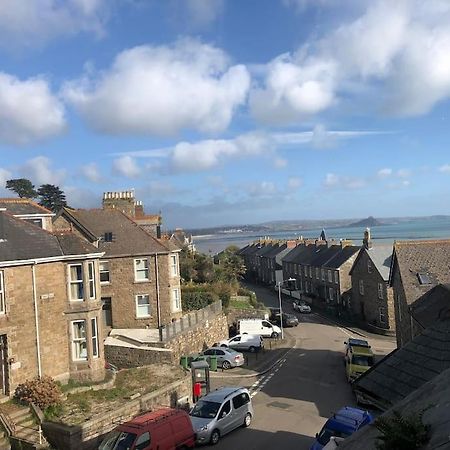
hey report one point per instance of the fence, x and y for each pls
(190, 320)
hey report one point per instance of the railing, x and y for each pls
(189, 321)
(7, 423)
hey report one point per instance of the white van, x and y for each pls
(258, 326)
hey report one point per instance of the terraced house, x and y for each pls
(50, 307)
(139, 273)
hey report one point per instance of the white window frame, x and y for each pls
(380, 291)
(336, 277)
(145, 269)
(323, 274)
(138, 314)
(176, 300)
(382, 314)
(369, 266)
(91, 280)
(102, 271)
(76, 282)
(94, 338)
(76, 341)
(2, 294)
(174, 265)
(361, 287)
(330, 276)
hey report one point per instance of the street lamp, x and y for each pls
(279, 299)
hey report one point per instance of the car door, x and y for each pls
(235, 343)
(220, 356)
(225, 418)
(266, 328)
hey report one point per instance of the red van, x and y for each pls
(165, 429)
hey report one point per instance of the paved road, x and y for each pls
(293, 400)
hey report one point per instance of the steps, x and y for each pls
(26, 427)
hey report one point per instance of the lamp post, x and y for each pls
(279, 300)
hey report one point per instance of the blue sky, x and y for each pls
(230, 111)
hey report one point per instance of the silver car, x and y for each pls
(226, 357)
(220, 412)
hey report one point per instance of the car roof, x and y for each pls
(348, 418)
(219, 395)
(358, 350)
(152, 416)
(360, 342)
(225, 349)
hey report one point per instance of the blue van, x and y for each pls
(342, 424)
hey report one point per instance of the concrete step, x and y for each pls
(19, 414)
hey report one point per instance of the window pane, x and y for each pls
(76, 273)
(142, 306)
(94, 332)
(76, 291)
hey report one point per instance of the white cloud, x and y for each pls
(343, 182)
(162, 90)
(81, 198)
(404, 173)
(5, 175)
(126, 166)
(263, 189)
(294, 183)
(207, 154)
(280, 163)
(202, 13)
(28, 110)
(445, 168)
(39, 171)
(33, 22)
(383, 173)
(406, 72)
(91, 173)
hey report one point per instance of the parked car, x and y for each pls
(352, 341)
(220, 412)
(250, 342)
(342, 424)
(301, 306)
(226, 357)
(259, 326)
(289, 320)
(165, 429)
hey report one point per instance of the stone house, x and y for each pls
(26, 209)
(50, 307)
(250, 254)
(417, 267)
(372, 300)
(139, 274)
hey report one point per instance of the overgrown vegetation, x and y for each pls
(43, 392)
(205, 282)
(402, 432)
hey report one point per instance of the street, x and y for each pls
(293, 400)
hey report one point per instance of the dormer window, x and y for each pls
(108, 237)
(424, 278)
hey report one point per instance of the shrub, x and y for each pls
(43, 392)
(402, 432)
(197, 299)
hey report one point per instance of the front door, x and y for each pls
(4, 368)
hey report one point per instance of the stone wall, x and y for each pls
(88, 435)
(126, 357)
(233, 315)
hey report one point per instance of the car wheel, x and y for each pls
(223, 345)
(226, 365)
(252, 349)
(274, 335)
(247, 420)
(215, 436)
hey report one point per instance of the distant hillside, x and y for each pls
(369, 222)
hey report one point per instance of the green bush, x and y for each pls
(192, 300)
(43, 392)
(402, 432)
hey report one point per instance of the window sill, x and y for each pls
(105, 283)
(141, 281)
(143, 317)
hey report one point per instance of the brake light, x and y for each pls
(237, 358)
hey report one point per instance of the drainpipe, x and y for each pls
(36, 320)
(158, 306)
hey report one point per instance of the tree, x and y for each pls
(231, 267)
(51, 197)
(187, 263)
(22, 187)
(204, 268)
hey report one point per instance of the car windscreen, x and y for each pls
(205, 409)
(326, 433)
(361, 360)
(118, 440)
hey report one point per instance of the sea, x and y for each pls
(416, 229)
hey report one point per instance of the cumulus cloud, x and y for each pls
(33, 22)
(280, 163)
(91, 173)
(404, 173)
(40, 171)
(126, 166)
(263, 189)
(207, 154)
(162, 90)
(383, 173)
(28, 110)
(343, 182)
(294, 183)
(445, 168)
(405, 73)
(202, 13)
(5, 175)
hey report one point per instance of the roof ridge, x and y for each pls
(422, 242)
(24, 200)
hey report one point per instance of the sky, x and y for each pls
(228, 112)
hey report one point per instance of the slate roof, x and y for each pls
(408, 368)
(23, 206)
(429, 257)
(324, 254)
(20, 240)
(381, 257)
(297, 252)
(128, 237)
(342, 256)
(263, 251)
(275, 250)
(433, 306)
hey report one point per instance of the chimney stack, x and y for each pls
(367, 241)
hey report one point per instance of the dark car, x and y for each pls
(289, 320)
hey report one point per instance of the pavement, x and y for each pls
(257, 364)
